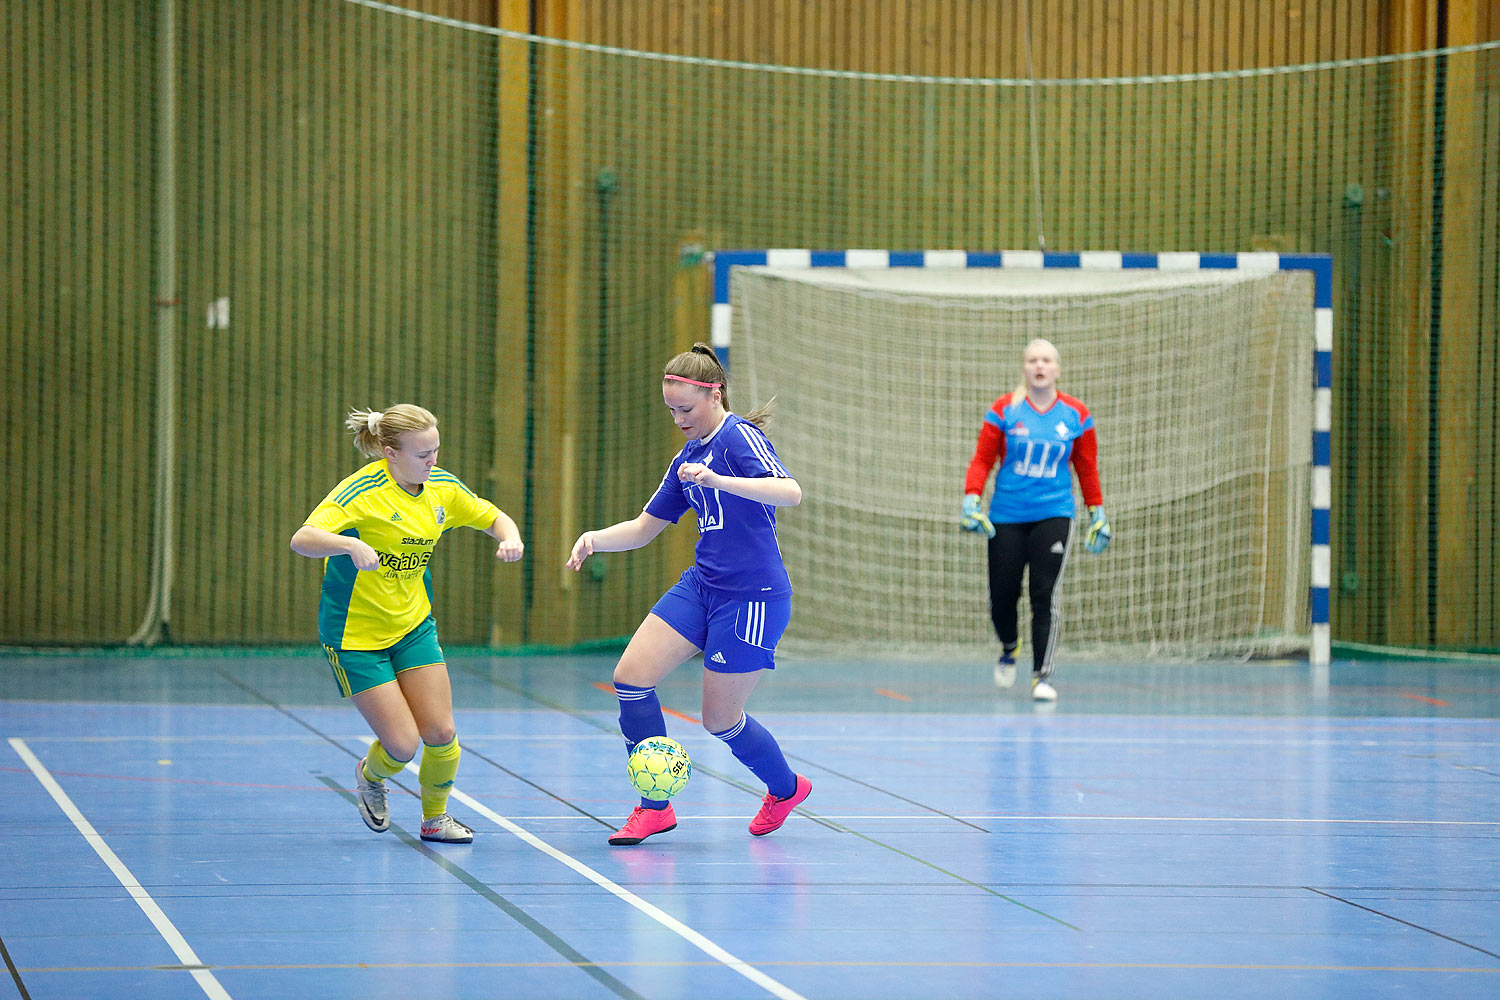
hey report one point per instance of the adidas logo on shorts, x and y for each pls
(717, 658)
(1057, 547)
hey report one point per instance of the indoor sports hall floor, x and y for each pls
(182, 826)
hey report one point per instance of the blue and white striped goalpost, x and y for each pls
(1320, 266)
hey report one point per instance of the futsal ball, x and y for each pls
(659, 768)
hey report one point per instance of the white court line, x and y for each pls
(662, 917)
(1064, 817)
(1360, 742)
(164, 926)
(1005, 817)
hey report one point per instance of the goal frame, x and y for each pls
(1319, 265)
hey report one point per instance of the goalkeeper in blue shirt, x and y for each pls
(1035, 433)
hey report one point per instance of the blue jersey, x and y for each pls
(737, 551)
(1036, 453)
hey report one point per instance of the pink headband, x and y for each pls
(693, 381)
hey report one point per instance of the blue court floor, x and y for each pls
(183, 826)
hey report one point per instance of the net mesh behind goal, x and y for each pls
(1201, 390)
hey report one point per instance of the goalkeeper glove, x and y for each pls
(1097, 540)
(975, 521)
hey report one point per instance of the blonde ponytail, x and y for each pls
(376, 430)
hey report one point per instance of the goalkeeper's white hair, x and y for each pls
(376, 430)
(1019, 393)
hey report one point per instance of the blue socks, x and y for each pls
(640, 719)
(755, 747)
(750, 742)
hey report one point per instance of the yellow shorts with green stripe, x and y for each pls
(357, 670)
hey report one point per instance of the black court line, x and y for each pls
(886, 791)
(543, 933)
(561, 800)
(955, 876)
(1408, 923)
(830, 824)
(546, 935)
(15, 973)
(613, 730)
(271, 703)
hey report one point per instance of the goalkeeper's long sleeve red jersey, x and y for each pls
(1035, 449)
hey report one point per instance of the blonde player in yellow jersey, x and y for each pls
(376, 532)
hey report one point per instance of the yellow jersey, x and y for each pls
(374, 609)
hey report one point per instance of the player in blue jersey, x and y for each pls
(1036, 433)
(732, 605)
(376, 532)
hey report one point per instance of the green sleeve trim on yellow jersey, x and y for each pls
(360, 486)
(450, 478)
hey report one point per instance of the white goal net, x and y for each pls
(1201, 388)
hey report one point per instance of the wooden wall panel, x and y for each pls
(76, 352)
(979, 38)
(1127, 168)
(1464, 618)
(1486, 484)
(333, 201)
(331, 157)
(511, 392)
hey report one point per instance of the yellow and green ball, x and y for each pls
(659, 768)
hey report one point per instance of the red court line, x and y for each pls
(1423, 697)
(669, 711)
(892, 694)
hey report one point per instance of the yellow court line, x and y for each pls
(797, 963)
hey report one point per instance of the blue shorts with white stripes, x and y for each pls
(737, 636)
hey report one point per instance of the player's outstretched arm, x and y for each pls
(318, 543)
(620, 537)
(504, 531)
